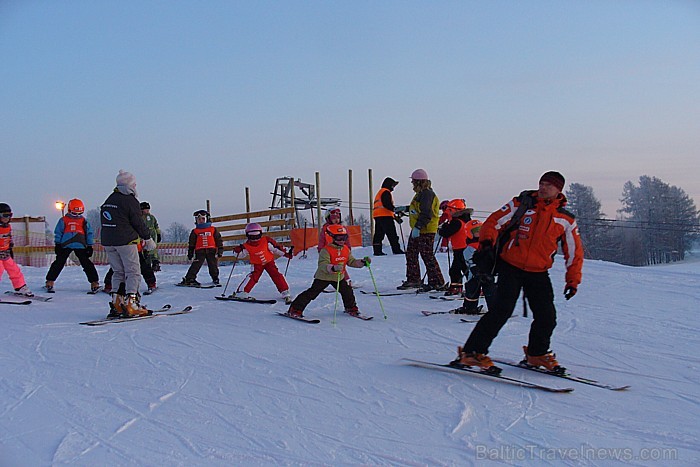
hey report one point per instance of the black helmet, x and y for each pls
(4, 207)
(145, 205)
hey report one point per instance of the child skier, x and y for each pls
(332, 261)
(205, 244)
(153, 227)
(7, 261)
(476, 282)
(73, 234)
(261, 252)
(454, 230)
(333, 217)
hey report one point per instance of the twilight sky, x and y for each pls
(200, 99)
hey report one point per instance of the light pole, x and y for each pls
(60, 205)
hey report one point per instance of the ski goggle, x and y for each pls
(6, 215)
(340, 238)
(255, 235)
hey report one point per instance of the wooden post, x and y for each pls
(26, 240)
(371, 204)
(293, 203)
(247, 202)
(318, 201)
(352, 218)
(208, 204)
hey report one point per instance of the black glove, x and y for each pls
(88, 249)
(398, 219)
(57, 249)
(12, 253)
(158, 237)
(219, 253)
(485, 257)
(569, 291)
(190, 255)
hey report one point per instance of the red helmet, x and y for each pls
(75, 206)
(337, 232)
(457, 204)
(473, 227)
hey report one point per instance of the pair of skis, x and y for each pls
(518, 382)
(316, 321)
(166, 310)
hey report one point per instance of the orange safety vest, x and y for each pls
(5, 237)
(459, 239)
(260, 253)
(205, 238)
(339, 256)
(379, 209)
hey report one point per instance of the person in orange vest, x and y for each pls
(261, 252)
(454, 231)
(73, 234)
(333, 217)
(7, 261)
(383, 215)
(332, 261)
(205, 244)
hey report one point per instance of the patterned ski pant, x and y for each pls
(423, 246)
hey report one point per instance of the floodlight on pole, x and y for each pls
(60, 205)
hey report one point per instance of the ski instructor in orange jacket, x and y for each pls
(519, 244)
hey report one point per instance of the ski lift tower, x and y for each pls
(299, 195)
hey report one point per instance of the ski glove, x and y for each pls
(288, 254)
(367, 260)
(569, 291)
(159, 237)
(335, 268)
(88, 250)
(149, 245)
(415, 232)
(12, 253)
(57, 249)
(485, 257)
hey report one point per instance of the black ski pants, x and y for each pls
(200, 256)
(540, 296)
(385, 226)
(62, 257)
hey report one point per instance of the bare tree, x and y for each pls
(176, 233)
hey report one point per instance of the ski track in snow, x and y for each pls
(232, 384)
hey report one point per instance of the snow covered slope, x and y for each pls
(236, 384)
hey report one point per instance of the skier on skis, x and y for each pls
(146, 271)
(7, 261)
(153, 227)
(122, 230)
(333, 217)
(205, 244)
(383, 215)
(476, 282)
(423, 220)
(73, 234)
(332, 261)
(522, 256)
(454, 230)
(261, 252)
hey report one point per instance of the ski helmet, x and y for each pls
(145, 205)
(443, 205)
(333, 213)
(253, 231)
(457, 205)
(473, 227)
(4, 207)
(201, 212)
(338, 232)
(76, 206)
(419, 174)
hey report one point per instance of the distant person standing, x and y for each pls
(7, 261)
(205, 244)
(423, 220)
(154, 229)
(73, 234)
(519, 242)
(383, 215)
(122, 230)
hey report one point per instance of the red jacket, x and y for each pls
(533, 245)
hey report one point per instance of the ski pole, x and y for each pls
(223, 294)
(335, 307)
(291, 249)
(376, 291)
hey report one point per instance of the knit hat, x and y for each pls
(555, 178)
(126, 179)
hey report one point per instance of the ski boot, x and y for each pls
(548, 361)
(473, 359)
(132, 307)
(116, 309)
(407, 285)
(155, 265)
(24, 290)
(49, 286)
(287, 297)
(94, 287)
(354, 311)
(453, 289)
(294, 313)
(189, 282)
